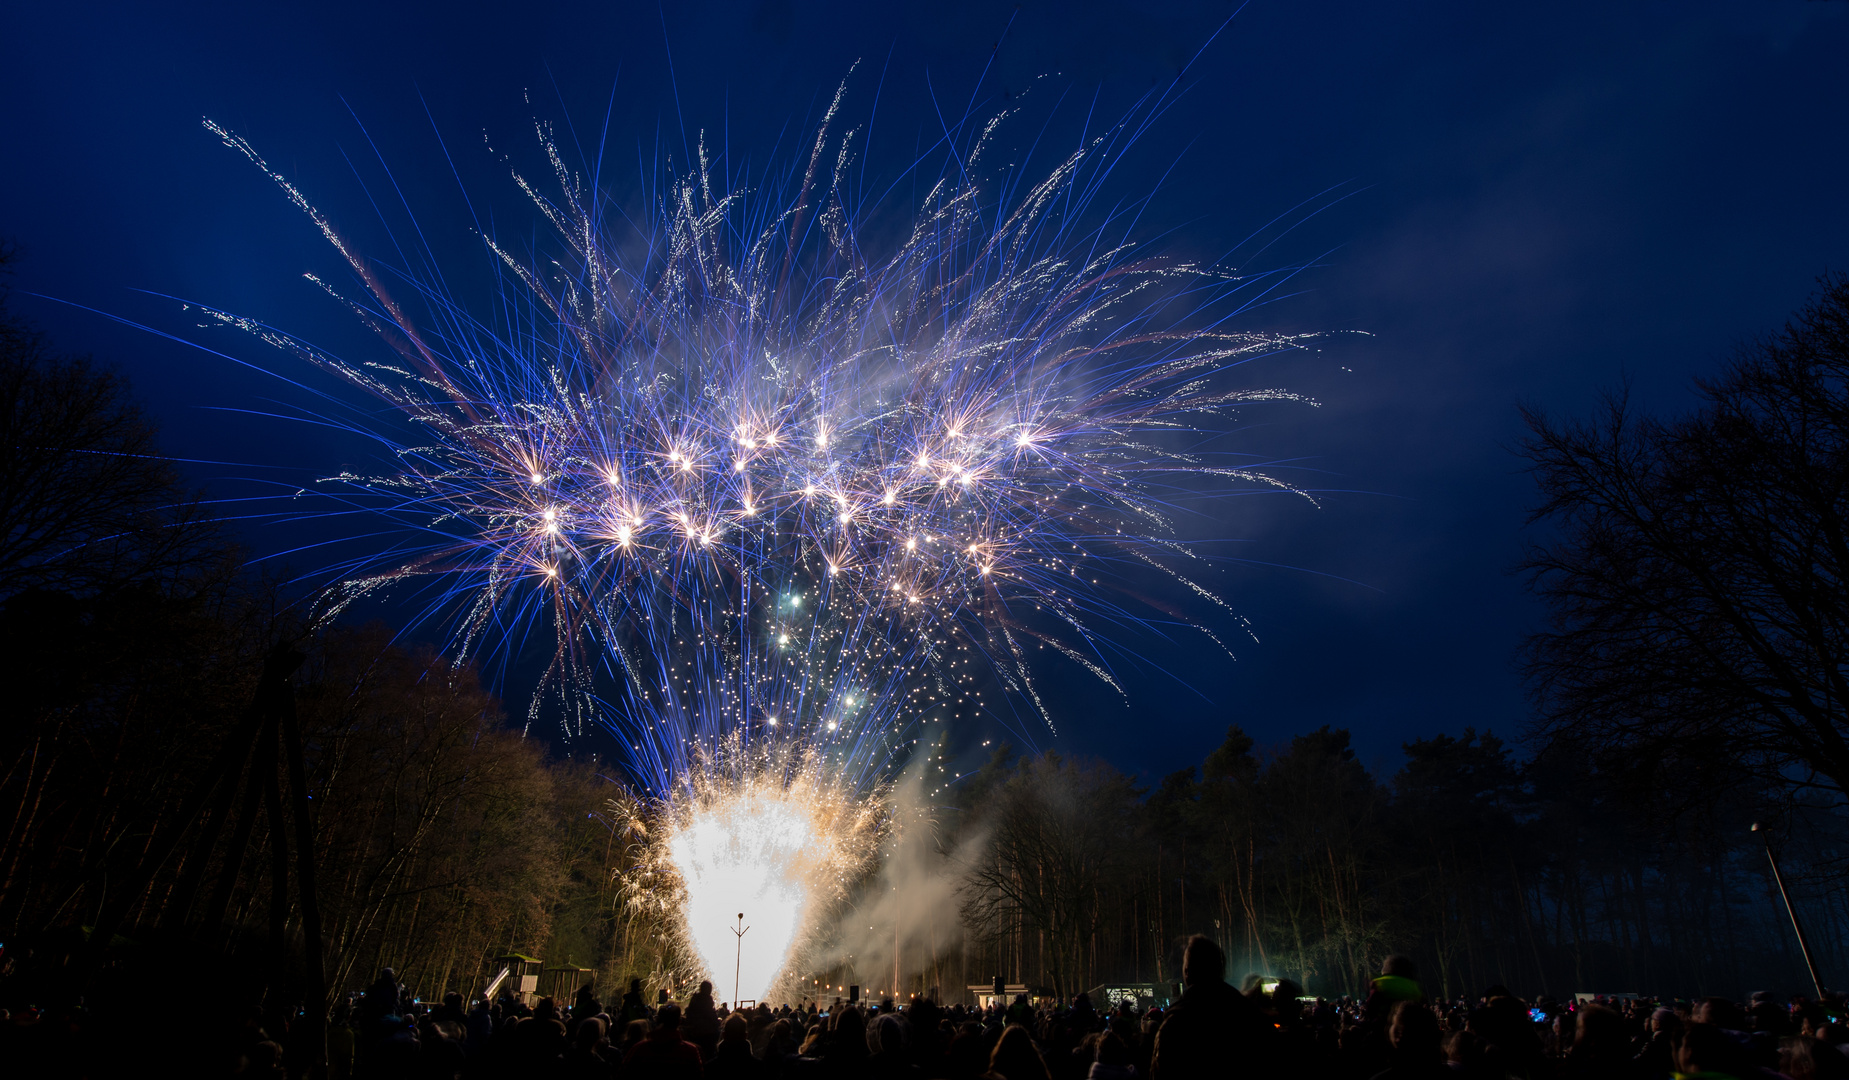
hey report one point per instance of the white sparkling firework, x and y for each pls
(782, 493)
(758, 480)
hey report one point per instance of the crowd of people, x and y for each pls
(1268, 1028)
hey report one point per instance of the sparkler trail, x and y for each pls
(764, 482)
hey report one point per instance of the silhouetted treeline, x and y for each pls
(1693, 677)
(131, 644)
(1697, 573)
(442, 837)
(1304, 864)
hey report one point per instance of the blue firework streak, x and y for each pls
(773, 485)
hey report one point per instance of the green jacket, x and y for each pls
(1397, 988)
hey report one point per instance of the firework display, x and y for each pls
(784, 495)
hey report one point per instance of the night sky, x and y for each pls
(1546, 201)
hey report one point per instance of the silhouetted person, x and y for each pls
(1214, 1030)
(1397, 982)
(584, 1003)
(1112, 1060)
(844, 1054)
(440, 1054)
(700, 1025)
(889, 1061)
(965, 1056)
(381, 998)
(1601, 1047)
(590, 1055)
(733, 1060)
(1707, 1051)
(1417, 1052)
(634, 1008)
(1015, 1058)
(451, 1010)
(1804, 1058)
(1656, 1057)
(1468, 1057)
(664, 1055)
(1720, 1013)
(1764, 1015)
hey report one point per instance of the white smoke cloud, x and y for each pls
(902, 934)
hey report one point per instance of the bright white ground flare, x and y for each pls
(745, 855)
(781, 848)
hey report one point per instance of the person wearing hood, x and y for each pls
(1112, 1060)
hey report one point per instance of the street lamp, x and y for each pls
(738, 959)
(1804, 946)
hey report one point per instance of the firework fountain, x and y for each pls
(785, 500)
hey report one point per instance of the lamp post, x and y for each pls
(738, 959)
(1803, 946)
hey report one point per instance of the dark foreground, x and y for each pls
(1213, 1030)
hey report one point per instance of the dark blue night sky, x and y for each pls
(1548, 201)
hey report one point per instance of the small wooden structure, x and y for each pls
(561, 983)
(522, 980)
(1107, 996)
(985, 994)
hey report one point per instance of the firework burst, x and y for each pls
(771, 488)
(784, 495)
